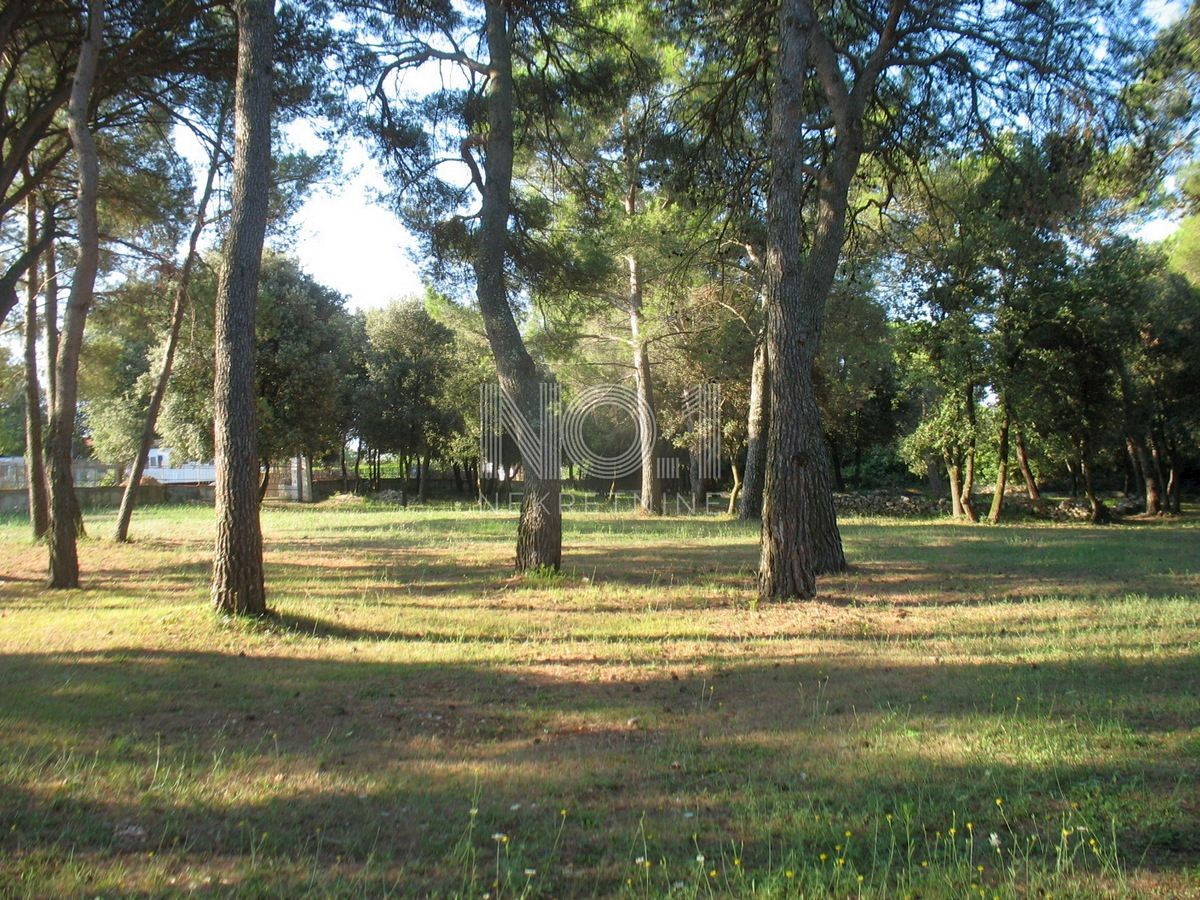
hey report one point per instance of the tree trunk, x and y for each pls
(1026, 472)
(51, 314)
(756, 435)
(651, 499)
(968, 483)
(345, 473)
(539, 533)
(736, 490)
(954, 477)
(1100, 514)
(63, 525)
(839, 480)
(800, 537)
(1134, 482)
(1134, 417)
(237, 583)
(358, 466)
(1001, 470)
(264, 480)
(423, 482)
(178, 308)
(35, 450)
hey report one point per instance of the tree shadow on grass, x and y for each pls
(206, 752)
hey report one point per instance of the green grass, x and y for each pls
(614, 723)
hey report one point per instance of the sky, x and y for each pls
(348, 241)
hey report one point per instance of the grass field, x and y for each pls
(970, 711)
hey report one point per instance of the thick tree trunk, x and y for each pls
(651, 498)
(35, 449)
(756, 435)
(237, 583)
(178, 308)
(1001, 470)
(64, 508)
(800, 537)
(539, 533)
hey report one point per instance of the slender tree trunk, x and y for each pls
(539, 533)
(64, 508)
(1100, 514)
(1157, 455)
(800, 537)
(178, 308)
(1134, 482)
(264, 480)
(651, 499)
(736, 490)
(968, 482)
(954, 476)
(1001, 469)
(756, 435)
(1173, 479)
(839, 480)
(51, 314)
(1031, 486)
(237, 584)
(35, 450)
(358, 466)
(423, 483)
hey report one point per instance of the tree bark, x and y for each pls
(968, 483)
(756, 435)
(736, 490)
(237, 583)
(1100, 514)
(423, 480)
(1001, 469)
(51, 314)
(954, 477)
(264, 480)
(63, 525)
(1134, 417)
(35, 450)
(651, 498)
(800, 537)
(1031, 486)
(539, 532)
(178, 308)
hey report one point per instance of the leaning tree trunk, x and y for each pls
(237, 583)
(539, 533)
(35, 450)
(1099, 512)
(651, 499)
(1026, 472)
(1001, 470)
(800, 537)
(178, 308)
(63, 525)
(750, 506)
